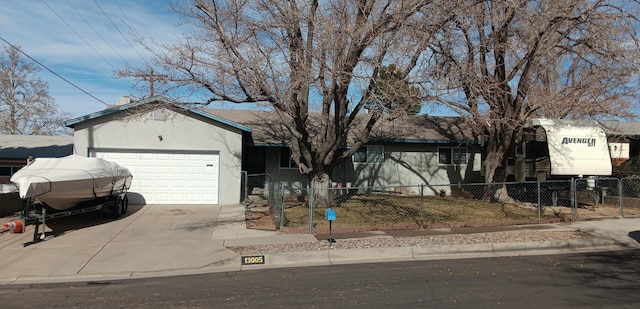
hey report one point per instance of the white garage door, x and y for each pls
(170, 178)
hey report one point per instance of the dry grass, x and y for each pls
(404, 212)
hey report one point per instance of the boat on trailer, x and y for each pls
(68, 182)
(59, 187)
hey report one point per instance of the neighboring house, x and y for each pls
(177, 155)
(404, 151)
(624, 141)
(15, 150)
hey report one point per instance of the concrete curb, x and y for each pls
(371, 255)
(231, 262)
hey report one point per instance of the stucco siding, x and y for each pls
(176, 133)
(403, 165)
(413, 165)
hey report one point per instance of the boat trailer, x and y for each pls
(118, 204)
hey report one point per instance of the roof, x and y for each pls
(621, 128)
(611, 128)
(546, 122)
(268, 130)
(38, 146)
(156, 99)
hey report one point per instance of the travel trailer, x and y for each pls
(560, 149)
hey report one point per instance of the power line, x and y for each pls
(96, 31)
(123, 36)
(78, 34)
(128, 21)
(52, 72)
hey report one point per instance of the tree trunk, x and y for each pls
(321, 184)
(496, 170)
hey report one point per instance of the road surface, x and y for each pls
(594, 280)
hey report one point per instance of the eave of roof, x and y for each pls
(421, 141)
(20, 147)
(119, 108)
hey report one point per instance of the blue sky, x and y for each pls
(77, 40)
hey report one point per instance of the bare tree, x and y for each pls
(502, 62)
(25, 103)
(303, 57)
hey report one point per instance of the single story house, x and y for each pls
(401, 151)
(624, 141)
(177, 155)
(15, 151)
(181, 154)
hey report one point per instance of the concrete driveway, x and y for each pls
(149, 238)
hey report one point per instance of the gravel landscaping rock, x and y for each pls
(418, 241)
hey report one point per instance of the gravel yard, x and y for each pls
(418, 241)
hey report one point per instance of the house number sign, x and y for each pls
(252, 259)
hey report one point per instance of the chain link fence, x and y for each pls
(629, 197)
(438, 206)
(456, 205)
(263, 197)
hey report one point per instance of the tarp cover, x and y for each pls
(37, 178)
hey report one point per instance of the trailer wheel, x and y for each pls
(118, 208)
(125, 204)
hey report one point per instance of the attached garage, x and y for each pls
(177, 154)
(170, 178)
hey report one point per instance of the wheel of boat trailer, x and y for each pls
(125, 204)
(118, 208)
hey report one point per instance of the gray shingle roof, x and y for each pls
(621, 128)
(23, 146)
(268, 130)
(161, 101)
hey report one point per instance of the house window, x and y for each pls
(285, 158)
(8, 170)
(368, 154)
(449, 156)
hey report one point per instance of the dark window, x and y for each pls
(6, 171)
(448, 156)
(369, 154)
(285, 158)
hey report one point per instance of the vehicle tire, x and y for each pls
(118, 208)
(125, 204)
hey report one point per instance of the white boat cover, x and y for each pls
(72, 173)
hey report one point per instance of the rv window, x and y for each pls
(537, 150)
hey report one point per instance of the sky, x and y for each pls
(85, 41)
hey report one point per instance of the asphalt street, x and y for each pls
(585, 280)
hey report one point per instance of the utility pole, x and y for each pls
(151, 78)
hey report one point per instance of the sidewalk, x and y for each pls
(165, 240)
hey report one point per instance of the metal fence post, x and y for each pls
(574, 202)
(539, 205)
(421, 206)
(620, 197)
(244, 179)
(281, 202)
(311, 205)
